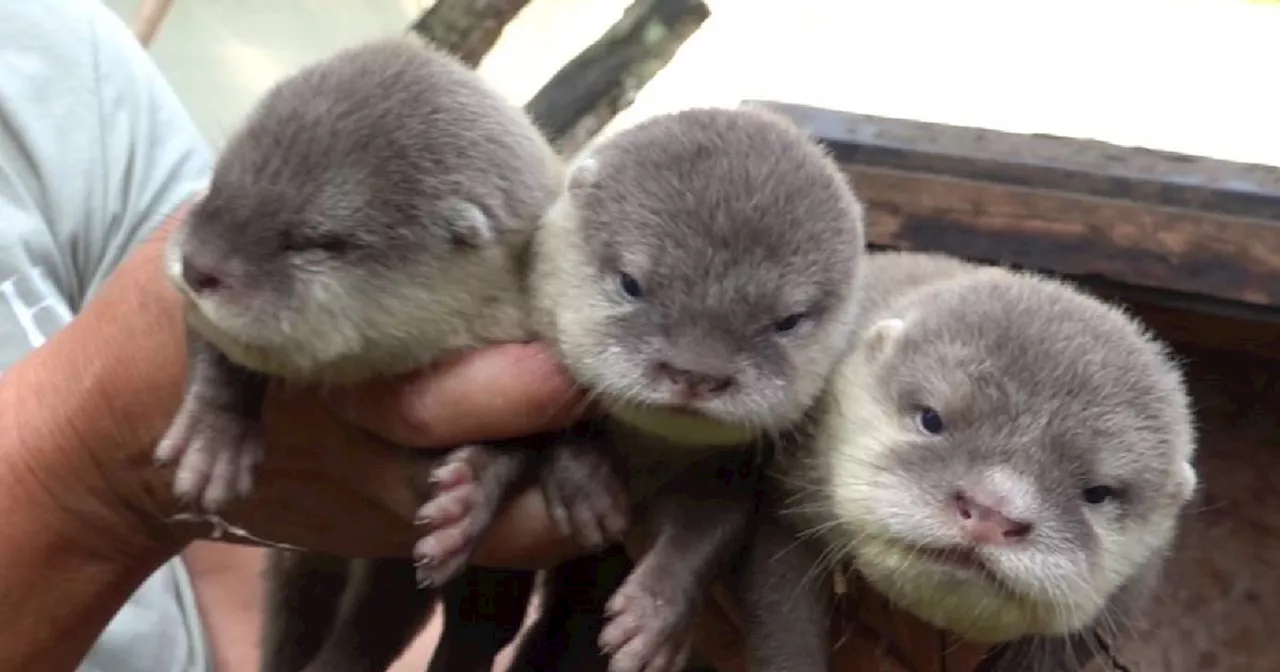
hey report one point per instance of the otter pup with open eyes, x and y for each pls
(697, 277)
(1001, 455)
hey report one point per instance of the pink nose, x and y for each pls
(986, 524)
(198, 278)
(695, 384)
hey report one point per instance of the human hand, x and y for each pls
(329, 480)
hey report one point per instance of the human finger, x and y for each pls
(524, 536)
(498, 392)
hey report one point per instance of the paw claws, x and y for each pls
(646, 629)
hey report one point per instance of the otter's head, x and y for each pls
(699, 272)
(368, 213)
(1007, 453)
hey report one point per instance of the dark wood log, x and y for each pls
(467, 28)
(602, 80)
(1192, 243)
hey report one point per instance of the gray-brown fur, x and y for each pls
(730, 223)
(1044, 393)
(373, 213)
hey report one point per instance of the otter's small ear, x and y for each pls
(583, 173)
(466, 223)
(882, 336)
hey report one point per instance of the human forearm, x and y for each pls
(74, 547)
(57, 592)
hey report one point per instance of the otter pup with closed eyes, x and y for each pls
(1001, 455)
(373, 214)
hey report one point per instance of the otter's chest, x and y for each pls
(648, 462)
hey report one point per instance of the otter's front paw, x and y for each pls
(216, 449)
(467, 489)
(584, 495)
(649, 625)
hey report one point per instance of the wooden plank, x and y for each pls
(1044, 161)
(1190, 231)
(467, 28)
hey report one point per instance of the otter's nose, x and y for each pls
(198, 278)
(984, 523)
(696, 383)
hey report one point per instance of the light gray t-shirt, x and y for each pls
(95, 149)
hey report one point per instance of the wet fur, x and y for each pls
(730, 221)
(1046, 391)
(374, 212)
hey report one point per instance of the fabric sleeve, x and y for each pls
(152, 156)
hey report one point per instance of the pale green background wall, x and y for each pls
(1195, 76)
(220, 55)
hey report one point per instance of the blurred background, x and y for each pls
(1179, 75)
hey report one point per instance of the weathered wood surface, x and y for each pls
(584, 95)
(1193, 232)
(467, 28)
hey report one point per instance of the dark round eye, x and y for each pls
(629, 285)
(788, 323)
(1098, 494)
(929, 420)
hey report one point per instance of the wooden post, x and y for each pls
(602, 80)
(467, 28)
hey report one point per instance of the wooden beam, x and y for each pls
(590, 90)
(1193, 242)
(467, 28)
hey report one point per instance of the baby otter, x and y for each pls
(375, 212)
(697, 277)
(1002, 455)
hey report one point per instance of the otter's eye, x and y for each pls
(929, 420)
(327, 244)
(629, 285)
(1099, 494)
(788, 323)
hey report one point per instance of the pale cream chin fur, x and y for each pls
(970, 608)
(681, 428)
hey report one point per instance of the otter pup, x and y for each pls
(696, 276)
(374, 212)
(1002, 455)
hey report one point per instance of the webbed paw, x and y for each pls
(584, 495)
(468, 487)
(649, 626)
(216, 451)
